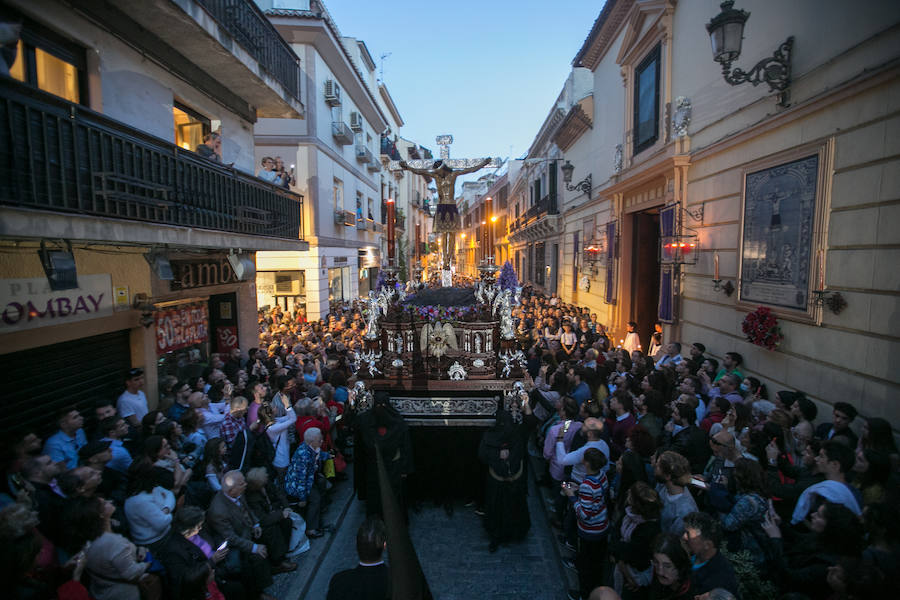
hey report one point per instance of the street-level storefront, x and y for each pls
(66, 347)
(206, 309)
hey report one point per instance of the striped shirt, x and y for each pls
(590, 506)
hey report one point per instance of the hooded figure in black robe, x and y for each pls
(382, 425)
(503, 450)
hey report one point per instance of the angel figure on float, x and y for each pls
(437, 340)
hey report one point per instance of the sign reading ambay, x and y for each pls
(181, 326)
(30, 303)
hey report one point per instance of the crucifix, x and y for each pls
(445, 171)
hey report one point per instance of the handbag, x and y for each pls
(340, 463)
(328, 468)
(299, 543)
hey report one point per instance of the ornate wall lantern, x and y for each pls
(679, 250)
(726, 32)
(584, 186)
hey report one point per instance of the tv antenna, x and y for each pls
(381, 66)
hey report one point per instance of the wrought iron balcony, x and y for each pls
(61, 157)
(389, 149)
(246, 23)
(545, 206)
(341, 133)
(243, 61)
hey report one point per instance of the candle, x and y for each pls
(716, 261)
(418, 235)
(391, 224)
(488, 211)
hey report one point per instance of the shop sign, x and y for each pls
(181, 326)
(193, 274)
(30, 303)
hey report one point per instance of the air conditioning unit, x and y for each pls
(285, 285)
(356, 122)
(332, 93)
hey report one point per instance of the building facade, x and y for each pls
(127, 241)
(336, 154)
(712, 198)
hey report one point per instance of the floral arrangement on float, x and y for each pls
(508, 279)
(444, 313)
(761, 328)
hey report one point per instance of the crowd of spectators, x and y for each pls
(222, 484)
(675, 475)
(712, 487)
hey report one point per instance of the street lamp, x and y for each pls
(726, 33)
(584, 186)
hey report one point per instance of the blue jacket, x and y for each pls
(301, 473)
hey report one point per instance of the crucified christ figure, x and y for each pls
(446, 218)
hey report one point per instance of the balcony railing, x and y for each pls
(545, 206)
(389, 149)
(58, 156)
(244, 21)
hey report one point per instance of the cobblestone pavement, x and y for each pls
(454, 555)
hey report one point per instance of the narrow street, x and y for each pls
(453, 552)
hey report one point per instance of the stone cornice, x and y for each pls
(577, 121)
(603, 33)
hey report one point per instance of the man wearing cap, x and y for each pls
(132, 403)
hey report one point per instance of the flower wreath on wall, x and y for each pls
(761, 328)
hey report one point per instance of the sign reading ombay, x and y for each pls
(30, 303)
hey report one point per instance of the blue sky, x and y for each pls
(486, 72)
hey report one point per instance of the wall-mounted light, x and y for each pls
(726, 32)
(679, 249)
(584, 186)
(242, 265)
(59, 267)
(160, 265)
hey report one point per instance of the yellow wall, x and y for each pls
(849, 356)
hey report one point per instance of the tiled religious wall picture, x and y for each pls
(779, 241)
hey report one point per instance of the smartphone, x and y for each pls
(338, 418)
(223, 546)
(699, 483)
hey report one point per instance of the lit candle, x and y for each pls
(391, 224)
(716, 261)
